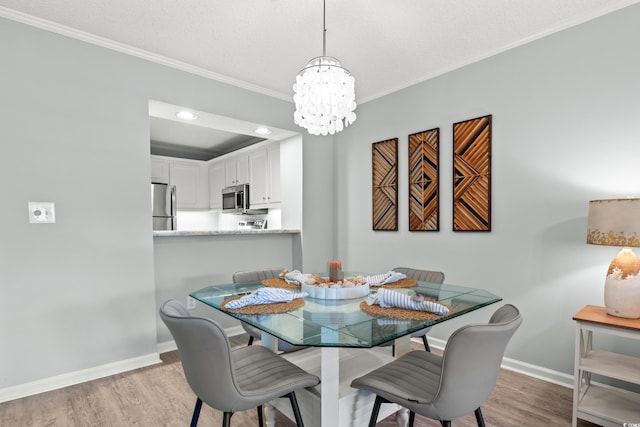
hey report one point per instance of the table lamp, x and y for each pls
(616, 222)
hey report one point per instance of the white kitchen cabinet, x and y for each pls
(189, 176)
(275, 186)
(258, 175)
(237, 170)
(159, 170)
(602, 404)
(217, 181)
(264, 175)
(192, 185)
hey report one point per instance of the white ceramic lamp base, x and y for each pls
(622, 286)
(622, 297)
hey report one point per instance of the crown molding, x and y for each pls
(63, 30)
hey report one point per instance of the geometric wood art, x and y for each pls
(472, 175)
(384, 165)
(423, 181)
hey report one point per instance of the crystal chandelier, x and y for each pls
(324, 93)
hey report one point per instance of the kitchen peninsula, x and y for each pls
(188, 260)
(210, 245)
(187, 233)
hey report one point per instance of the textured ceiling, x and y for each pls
(262, 44)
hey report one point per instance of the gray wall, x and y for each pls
(566, 130)
(186, 264)
(74, 128)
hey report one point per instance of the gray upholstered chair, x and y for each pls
(255, 333)
(227, 380)
(423, 276)
(448, 386)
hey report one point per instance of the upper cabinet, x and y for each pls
(189, 177)
(236, 170)
(264, 175)
(275, 185)
(217, 181)
(159, 170)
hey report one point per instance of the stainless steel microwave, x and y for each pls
(235, 199)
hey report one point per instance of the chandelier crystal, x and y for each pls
(324, 94)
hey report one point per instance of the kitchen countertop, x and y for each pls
(186, 233)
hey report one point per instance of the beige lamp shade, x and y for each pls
(616, 222)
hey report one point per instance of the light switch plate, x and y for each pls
(42, 212)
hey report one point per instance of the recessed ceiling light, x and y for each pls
(262, 131)
(186, 115)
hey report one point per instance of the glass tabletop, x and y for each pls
(341, 323)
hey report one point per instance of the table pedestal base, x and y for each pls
(350, 407)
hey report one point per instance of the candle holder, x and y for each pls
(335, 271)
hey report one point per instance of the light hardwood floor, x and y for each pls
(160, 396)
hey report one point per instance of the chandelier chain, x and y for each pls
(324, 28)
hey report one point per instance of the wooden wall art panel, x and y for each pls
(424, 184)
(472, 175)
(384, 161)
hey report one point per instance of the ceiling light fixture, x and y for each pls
(186, 115)
(324, 93)
(262, 131)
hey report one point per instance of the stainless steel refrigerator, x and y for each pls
(163, 202)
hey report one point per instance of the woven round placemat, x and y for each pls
(401, 313)
(402, 283)
(277, 282)
(278, 307)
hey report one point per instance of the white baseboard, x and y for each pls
(234, 330)
(528, 369)
(167, 346)
(76, 377)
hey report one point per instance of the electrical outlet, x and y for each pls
(191, 303)
(42, 212)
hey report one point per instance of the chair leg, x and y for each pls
(479, 417)
(260, 419)
(250, 341)
(376, 411)
(196, 413)
(412, 418)
(426, 343)
(296, 409)
(226, 420)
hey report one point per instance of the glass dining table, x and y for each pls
(341, 326)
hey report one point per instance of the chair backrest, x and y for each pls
(205, 354)
(256, 275)
(421, 275)
(471, 362)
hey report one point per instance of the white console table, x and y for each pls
(601, 404)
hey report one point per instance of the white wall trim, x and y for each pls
(163, 60)
(77, 377)
(538, 372)
(534, 371)
(232, 331)
(167, 346)
(72, 378)
(54, 27)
